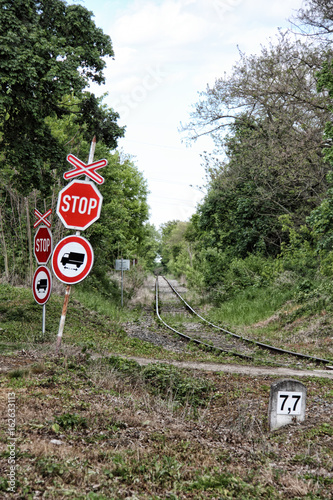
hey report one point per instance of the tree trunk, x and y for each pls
(29, 241)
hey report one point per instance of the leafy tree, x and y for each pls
(48, 50)
(49, 53)
(258, 183)
(176, 247)
(279, 84)
(149, 247)
(267, 120)
(165, 251)
(315, 18)
(321, 218)
(268, 208)
(121, 227)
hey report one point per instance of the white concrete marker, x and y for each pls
(286, 403)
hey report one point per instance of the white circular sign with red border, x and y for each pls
(72, 259)
(42, 285)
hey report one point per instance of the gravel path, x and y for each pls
(245, 370)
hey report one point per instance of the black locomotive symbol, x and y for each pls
(72, 260)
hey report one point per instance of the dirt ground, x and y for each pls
(116, 440)
(85, 429)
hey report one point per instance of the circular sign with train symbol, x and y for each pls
(42, 285)
(72, 259)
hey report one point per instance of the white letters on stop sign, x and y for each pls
(79, 205)
(83, 206)
(42, 244)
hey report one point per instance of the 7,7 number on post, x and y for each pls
(289, 403)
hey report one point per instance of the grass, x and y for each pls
(107, 428)
(278, 317)
(96, 302)
(270, 315)
(92, 323)
(120, 435)
(250, 306)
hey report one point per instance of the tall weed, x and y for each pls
(95, 301)
(251, 305)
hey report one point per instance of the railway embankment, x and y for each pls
(128, 409)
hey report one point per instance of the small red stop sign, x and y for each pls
(43, 245)
(79, 205)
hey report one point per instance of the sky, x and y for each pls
(166, 52)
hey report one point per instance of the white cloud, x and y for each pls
(166, 52)
(157, 27)
(187, 38)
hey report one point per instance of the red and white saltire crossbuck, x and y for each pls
(81, 168)
(42, 218)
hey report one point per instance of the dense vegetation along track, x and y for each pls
(230, 341)
(193, 339)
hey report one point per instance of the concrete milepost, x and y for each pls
(43, 245)
(72, 259)
(287, 403)
(79, 205)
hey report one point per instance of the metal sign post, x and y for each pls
(42, 280)
(83, 201)
(122, 283)
(43, 319)
(122, 265)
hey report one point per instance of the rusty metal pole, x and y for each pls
(63, 318)
(68, 287)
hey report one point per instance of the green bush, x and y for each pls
(224, 276)
(168, 380)
(128, 367)
(70, 421)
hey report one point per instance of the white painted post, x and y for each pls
(43, 321)
(122, 283)
(63, 318)
(286, 403)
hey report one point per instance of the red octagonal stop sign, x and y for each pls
(79, 205)
(43, 245)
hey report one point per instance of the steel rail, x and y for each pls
(191, 339)
(251, 341)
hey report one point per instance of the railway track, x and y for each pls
(198, 330)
